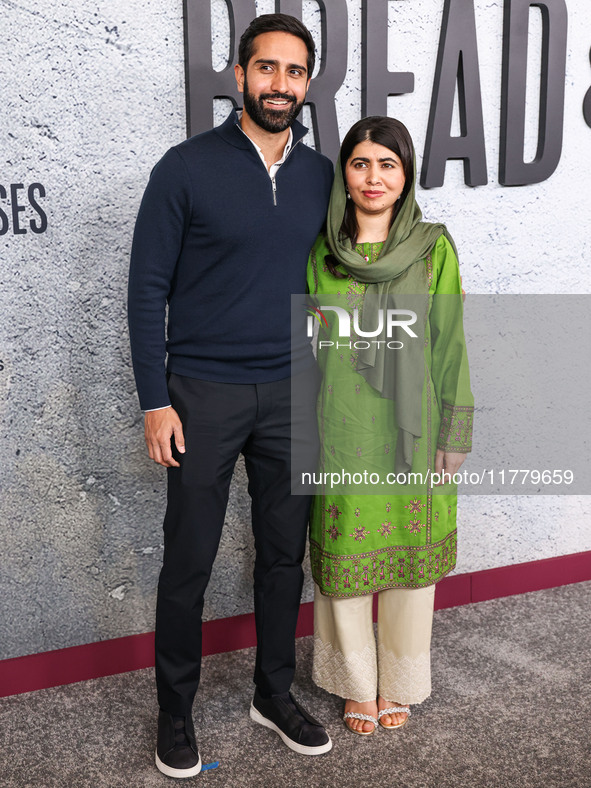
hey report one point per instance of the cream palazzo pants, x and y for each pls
(346, 661)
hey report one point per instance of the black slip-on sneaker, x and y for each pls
(296, 728)
(176, 749)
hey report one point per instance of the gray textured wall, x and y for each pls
(92, 95)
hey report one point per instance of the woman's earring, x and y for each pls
(348, 195)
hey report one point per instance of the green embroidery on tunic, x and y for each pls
(405, 538)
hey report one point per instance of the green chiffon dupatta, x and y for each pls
(396, 280)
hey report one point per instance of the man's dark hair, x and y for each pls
(275, 23)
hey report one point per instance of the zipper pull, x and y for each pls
(274, 191)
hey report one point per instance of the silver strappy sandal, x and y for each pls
(394, 710)
(355, 715)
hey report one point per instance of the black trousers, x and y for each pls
(220, 421)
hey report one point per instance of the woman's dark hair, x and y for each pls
(275, 23)
(390, 133)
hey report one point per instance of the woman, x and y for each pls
(405, 407)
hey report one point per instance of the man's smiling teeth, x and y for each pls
(279, 102)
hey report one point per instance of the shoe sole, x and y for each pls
(301, 749)
(178, 773)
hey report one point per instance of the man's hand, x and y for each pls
(448, 462)
(159, 427)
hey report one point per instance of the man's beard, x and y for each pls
(272, 120)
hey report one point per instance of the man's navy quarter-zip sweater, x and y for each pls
(225, 247)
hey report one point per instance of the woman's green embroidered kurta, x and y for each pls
(366, 543)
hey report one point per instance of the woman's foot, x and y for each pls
(361, 726)
(392, 720)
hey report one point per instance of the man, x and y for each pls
(223, 235)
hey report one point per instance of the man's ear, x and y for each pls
(239, 74)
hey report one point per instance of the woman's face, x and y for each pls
(375, 178)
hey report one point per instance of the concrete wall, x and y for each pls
(92, 95)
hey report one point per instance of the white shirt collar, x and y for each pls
(274, 167)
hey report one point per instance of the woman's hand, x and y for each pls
(447, 462)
